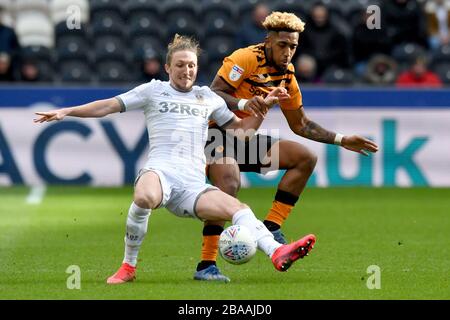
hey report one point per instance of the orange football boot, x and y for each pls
(125, 273)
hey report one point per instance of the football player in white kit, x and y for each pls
(177, 114)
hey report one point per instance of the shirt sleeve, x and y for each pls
(135, 98)
(237, 67)
(221, 114)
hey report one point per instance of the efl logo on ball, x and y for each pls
(237, 245)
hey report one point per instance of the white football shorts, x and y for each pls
(179, 197)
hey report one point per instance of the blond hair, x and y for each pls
(181, 43)
(283, 21)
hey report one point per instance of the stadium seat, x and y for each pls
(75, 72)
(171, 10)
(336, 8)
(109, 48)
(59, 8)
(46, 72)
(113, 72)
(342, 25)
(101, 7)
(140, 45)
(334, 75)
(62, 31)
(441, 55)
(151, 7)
(107, 24)
(39, 53)
(72, 48)
(182, 24)
(34, 28)
(245, 8)
(294, 6)
(218, 47)
(212, 9)
(218, 26)
(443, 70)
(405, 52)
(143, 23)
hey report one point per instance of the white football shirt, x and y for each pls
(177, 124)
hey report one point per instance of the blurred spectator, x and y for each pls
(9, 45)
(252, 31)
(438, 14)
(306, 69)
(381, 70)
(419, 76)
(405, 21)
(8, 38)
(152, 67)
(29, 71)
(323, 41)
(6, 72)
(368, 42)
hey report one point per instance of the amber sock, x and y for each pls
(281, 208)
(211, 234)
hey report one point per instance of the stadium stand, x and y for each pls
(75, 71)
(338, 76)
(123, 31)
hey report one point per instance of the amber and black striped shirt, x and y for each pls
(248, 72)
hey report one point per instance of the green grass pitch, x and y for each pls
(405, 232)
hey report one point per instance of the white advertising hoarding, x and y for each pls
(414, 148)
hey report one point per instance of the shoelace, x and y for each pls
(214, 271)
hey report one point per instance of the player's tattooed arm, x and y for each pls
(313, 131)
(301, 125)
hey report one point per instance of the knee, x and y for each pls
(307, 162)
(229, 184)
(147, 200)
(236, 208)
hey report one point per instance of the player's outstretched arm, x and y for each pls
(301, 125)
(95, 109)
(359, 144)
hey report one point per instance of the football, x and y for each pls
(237, 245)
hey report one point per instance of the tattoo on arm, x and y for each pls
(313, 131)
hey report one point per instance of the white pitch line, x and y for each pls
(36, 194)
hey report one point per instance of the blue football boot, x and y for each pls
(279, 236)
(212, 273)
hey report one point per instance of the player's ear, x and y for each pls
(166, 67)
(268, 40)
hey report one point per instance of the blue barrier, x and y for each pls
(312, 97)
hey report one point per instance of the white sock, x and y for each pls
(136, 230)
(262, 235)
